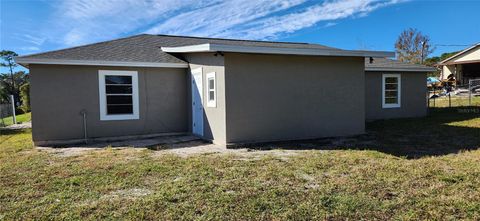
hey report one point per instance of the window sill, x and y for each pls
(390, 107)
(119, 117)
(212, 104)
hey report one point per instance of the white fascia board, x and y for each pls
(400, 69)
(27, 61)
(275, 50)
(188, 49)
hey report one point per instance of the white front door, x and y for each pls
(197, 104)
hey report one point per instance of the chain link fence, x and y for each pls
(474, 91)
(460, 96)
(5, 113)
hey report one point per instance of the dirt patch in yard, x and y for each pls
(186, 146)
(128, 194)
(24, 125)
(181, 149)
(201, 148)
(70, 151)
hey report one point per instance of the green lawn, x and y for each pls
(20, 118)
(407, 169)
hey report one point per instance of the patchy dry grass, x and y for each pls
(444, 131)
(456, 101)
(313, 184)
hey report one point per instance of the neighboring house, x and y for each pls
(227, 91)
(464, 65)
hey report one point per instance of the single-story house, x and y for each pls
(224, 90)
(464, 65)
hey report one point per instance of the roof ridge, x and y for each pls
(78, 46)
(232, 39)
(396, 61)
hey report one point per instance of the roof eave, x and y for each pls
(27, 61)
(458, 54)
(461, 62)
(419, 69)
(275, 50)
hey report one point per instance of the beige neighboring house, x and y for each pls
(464, 65)
(224, 90)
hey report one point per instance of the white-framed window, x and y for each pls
(391, 90)
(211, 90)
(118, 92)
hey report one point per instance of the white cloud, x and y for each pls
(220, 18)
(84, 21)
(30, 49)
(330, 24)
(272, 27)
(33, 39)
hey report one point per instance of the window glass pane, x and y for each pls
(211, 95)
(118, 79)
(390, 93)
(391, 80)
(391, 100)
(119, 99)
(119, 109)
(211, 84)
(391, 86)
(113, 89)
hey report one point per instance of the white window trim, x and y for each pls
(103, 97)
(212, 103)
(399, 91)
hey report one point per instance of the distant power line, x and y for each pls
(452, 45)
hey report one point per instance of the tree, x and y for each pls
(437, 59)
(8, 61)
(19, 78)
(25, 97)
(7, 57)
(412, 46)
(432, 61)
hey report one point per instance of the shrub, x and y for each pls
(25, 97)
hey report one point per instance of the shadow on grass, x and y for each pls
(8, 131)
(443, 131)
(7, 134)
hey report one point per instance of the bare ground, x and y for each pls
(182, 149)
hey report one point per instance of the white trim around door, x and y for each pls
(197, 101)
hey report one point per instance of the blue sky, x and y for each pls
(33, 26)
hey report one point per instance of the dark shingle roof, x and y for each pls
(389, 64)
(146, 48)
(174, 41)
(139, 48)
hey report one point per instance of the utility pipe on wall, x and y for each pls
(84, 114)
(13, 109)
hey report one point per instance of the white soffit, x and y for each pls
(275, 50)
(419, 69)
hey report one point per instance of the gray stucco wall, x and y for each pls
(60, 93)
(275, 97)
(214, 117)
(413, 96)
